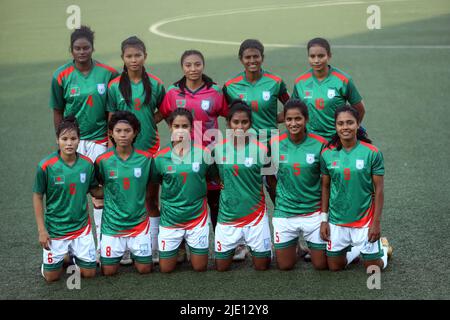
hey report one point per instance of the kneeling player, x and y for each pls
(65, 177)
(125, 175)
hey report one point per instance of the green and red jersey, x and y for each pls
(352, 190)
(83, 96)
(65, 188)
(242, 199)
(324, 97)
(262, 96)
(183, 180)
(298, 179)
(148, 138)
(125, 185)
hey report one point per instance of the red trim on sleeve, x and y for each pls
(237, 79)
(273, 77)
(144, 153)
(50, 162)
(104, 156)
(116, 79)
(110, 69)
(370, 146)
(340, 76)
(318, 138)
(64, 74)
(303, 77)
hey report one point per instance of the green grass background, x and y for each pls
(406, 91)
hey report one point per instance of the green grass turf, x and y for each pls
(406, 92)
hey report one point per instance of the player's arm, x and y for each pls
(153, 199)
(361, 110)
(280, 117)
(375, 228)
(272, 182)
(158, 117)
(324, 226)
(38, 204)
(97, 192)
(58, 115)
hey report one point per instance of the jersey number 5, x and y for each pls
(297, 169)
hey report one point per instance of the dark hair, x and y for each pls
(180, 112)
(239, 106)
(82, 32)
(67, 124)
(321, 42)
(125, 116)
(251, 44)
(124, 83)
(296, 104)
(361, 134)
(182, 82)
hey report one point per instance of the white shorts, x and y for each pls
(92, 148)
(83, 248)
(257, 237)
(113, 248)
(197, 239)
(287, 230)
(343, 238)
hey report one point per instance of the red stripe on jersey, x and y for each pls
(340, 76)
(318, 138)
(155, 78)
(328, 148)
(64, 74)
(260, 145)
(256, 215)
(110, 69)
(370, 146)
(144, 153)
(76, 234)
(104, 156)
(365, 221)
(162, 152)
(86, 158)
(278, 138)
(271, 76)
(115, 80)
(153, 150)
(202, 219)
(237, 79)
(142, 227)
(303, 77)
(49, 162)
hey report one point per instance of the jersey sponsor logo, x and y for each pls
(205, 105)
(196, 166)
(74, 91)
(335, 164)
(60, 179)
(248, 162)
(283, 158)
(359, 164)
(171, 168)
(101, 88)
(181, 103)
(137, 172)
(83, 177)
(308, 94)
(310, 158)
(243, 96)
(266, 95)
(331, 93)
(113, 174)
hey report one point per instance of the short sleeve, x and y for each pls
(99, 172)
(283, 94)
(377, 164)
(111, 103)
(155, 176)
(323, 166)
(40, 181)
(164, 107)
(160, 94)
(93, 182)
(353, 96)
(295, 93)
(56, 95)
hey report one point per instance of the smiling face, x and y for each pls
(346, 126)
(134, 58)
(123, 134)
(180, 129)
(193, 67)
(68, 142)
(295, 121)
(318, 58)
(252, 60)
(82, 50)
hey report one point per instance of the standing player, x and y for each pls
(323, 88)
(79, 88)
(141, 93)
(198, 93)
(125, 174)
(181, 167)
(65, 177)
(352, 194)
(296, 155)
(242, 210)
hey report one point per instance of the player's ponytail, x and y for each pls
(69, 123)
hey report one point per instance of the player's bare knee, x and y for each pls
(52, 277)
(109, 272)
(88, 273)
(285, 266)
(200, 268)
(166, 269)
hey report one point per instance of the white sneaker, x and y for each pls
(126, 259)
(240, 253)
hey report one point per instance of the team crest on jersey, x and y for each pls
(266, 95)
(196, 166)
(60, 180)
(248, 162)
(359, 164)
(137, 172)
(331, 93)
(310, 158)
(181, 103)
(74, 91)
(101, 88)
(83, 177)
(205, 105)
(308, 94)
